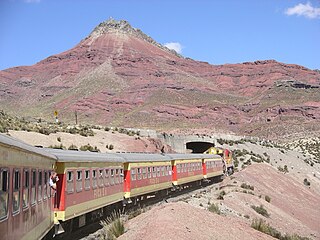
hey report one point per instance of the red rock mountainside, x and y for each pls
(120, 76)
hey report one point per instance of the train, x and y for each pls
(90, 184)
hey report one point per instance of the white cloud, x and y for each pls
(32, 1)
(306, 10)
(175, 46)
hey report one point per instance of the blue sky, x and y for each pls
(218, 32)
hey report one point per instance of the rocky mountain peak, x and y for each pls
(122, 26)
(112, 25)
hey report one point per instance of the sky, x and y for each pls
(218, 32)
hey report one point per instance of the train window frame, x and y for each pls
(106, 177)
(45, 185)
(121, 175)
(100, 178)
(16, 189)
(94, 178)
(149, 172)
(70, 181)
(4, 190)
(144, 173)
(111, 176)
(139, 173)
(26, 189)
(158, 171)
(79, 185)
(154, 172)
(117, 176)
(87, 185)
(33, 198)
(40, 183)
(133, 174)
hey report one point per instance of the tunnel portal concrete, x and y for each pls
(198, 147)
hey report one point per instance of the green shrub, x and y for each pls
(214, 208)
(111, 147)
(113, 226)
(247, 186)
(73, 147)
(222, 193)
(262, 226)
(261, 210)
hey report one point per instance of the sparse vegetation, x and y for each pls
(214, 208)
(90, 148)
(57, 146)
(221, 194)
(73, 147)
(283, 169)
(247, 186)
(306, 182)
(113, 226)
(262, 226)
(261, 210)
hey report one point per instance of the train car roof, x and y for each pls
(83, 156)
(16, 143)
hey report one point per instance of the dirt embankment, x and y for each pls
(293, 209)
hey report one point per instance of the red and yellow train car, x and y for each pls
(226, 154)
(26, 210)
(146, 173)
(87, 182)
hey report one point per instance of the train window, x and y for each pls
(33, 187)
(139, 174)
(100, 179)
(94, 179)
(133, 174)
(70, 183)
(26, 184)
(106, 177)
(158, 171)
(144, 172)
(40, 185)
(167, 170)
(149, 172)
(87, 180)
(121, 175)
(4, 181)
(117, 176)
(79, 181)
(162, 171)
(16, 192)
(111, 176)
(178, 168)
(154, 171)
(45, 185)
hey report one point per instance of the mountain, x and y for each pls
(120, 76)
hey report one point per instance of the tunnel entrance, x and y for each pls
(199, 147)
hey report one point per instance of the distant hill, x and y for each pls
(120, 76)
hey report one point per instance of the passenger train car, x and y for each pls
(25, 196)
(90, 184)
